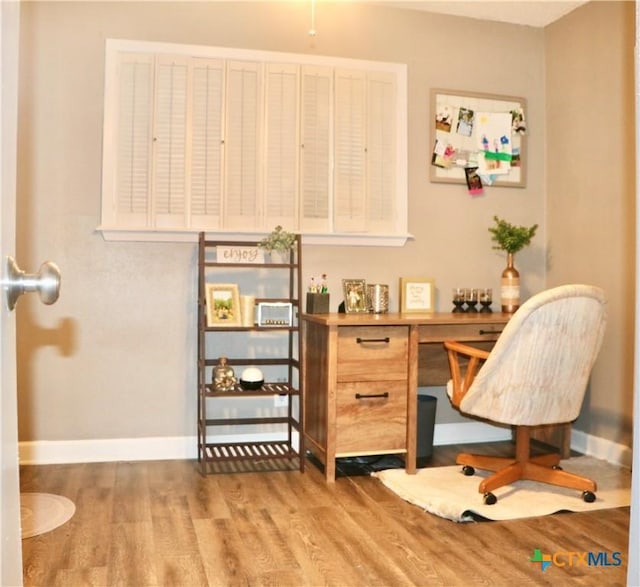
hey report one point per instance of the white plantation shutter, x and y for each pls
(206, 144)
(281, 152)
(349, 152)
(239, 141)
(133, 139)
(315, 165)
(241, 146)
(169, 141)
(381, 149)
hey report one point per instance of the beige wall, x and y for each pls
(115, 357)
(590, 215)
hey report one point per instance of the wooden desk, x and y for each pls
(361, 378)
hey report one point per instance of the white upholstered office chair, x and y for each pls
(536, 374)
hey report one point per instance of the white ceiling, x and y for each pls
(535, 13)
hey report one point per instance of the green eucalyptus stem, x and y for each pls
(509, 237)
(278, 240)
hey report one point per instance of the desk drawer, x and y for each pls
(459, 332)
(373, 353)
(371, 424)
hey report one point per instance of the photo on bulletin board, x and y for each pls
(485, 131)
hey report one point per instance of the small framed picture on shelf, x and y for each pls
(223, 304)
(355, 295)
(276, 314)
(416, 294)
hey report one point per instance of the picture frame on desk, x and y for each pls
(355, 296)
(223, 304)
(417, 294)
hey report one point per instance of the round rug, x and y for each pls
(43, 512)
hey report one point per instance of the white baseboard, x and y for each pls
(600, 448)
(476, 432)
(49, 452)
(184, 447)
(468, 432)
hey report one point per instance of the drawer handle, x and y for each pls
(490, 331)
(363, 340)
(371, 395)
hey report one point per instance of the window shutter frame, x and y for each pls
(332, 138)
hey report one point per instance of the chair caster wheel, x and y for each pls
(557, 468)
(588, 496)
(489, 499)
(468, 470)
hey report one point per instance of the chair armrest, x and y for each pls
(465, 349)
(462, 378)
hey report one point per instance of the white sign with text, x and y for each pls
(233, 254)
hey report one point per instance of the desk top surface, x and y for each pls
(407, 319)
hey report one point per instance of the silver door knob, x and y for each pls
(46, 282)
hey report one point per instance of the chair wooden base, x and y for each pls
(523, 466)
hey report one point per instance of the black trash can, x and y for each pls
(426, 422)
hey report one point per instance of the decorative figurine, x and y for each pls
(224, 379)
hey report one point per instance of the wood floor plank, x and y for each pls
(87, 547)
(181, 570)
(321, 561)
(162, 523)
(401, 545)
(132, 558)
(85, 577)
(221, 552)
(206, 499)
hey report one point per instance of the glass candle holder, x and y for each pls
(485, 296)
(457, 296)
(471, 299)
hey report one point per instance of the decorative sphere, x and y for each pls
(251, 378)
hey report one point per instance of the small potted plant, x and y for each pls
(279, 241)
(510, 238)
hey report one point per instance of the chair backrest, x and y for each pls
(538, 370)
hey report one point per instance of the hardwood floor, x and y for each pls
(162, 523)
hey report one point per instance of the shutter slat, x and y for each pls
(380, 152)
(281, 169)
(206, 147)
(134, 132)
(241, 173)
(316, 141)
(170, 139)
(350, 203)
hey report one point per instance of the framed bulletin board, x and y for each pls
(471, 130)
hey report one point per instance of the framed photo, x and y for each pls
(416, 294)
(275, 314)
(355, 295)
(223, 304)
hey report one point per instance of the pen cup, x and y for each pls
(317, 303)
